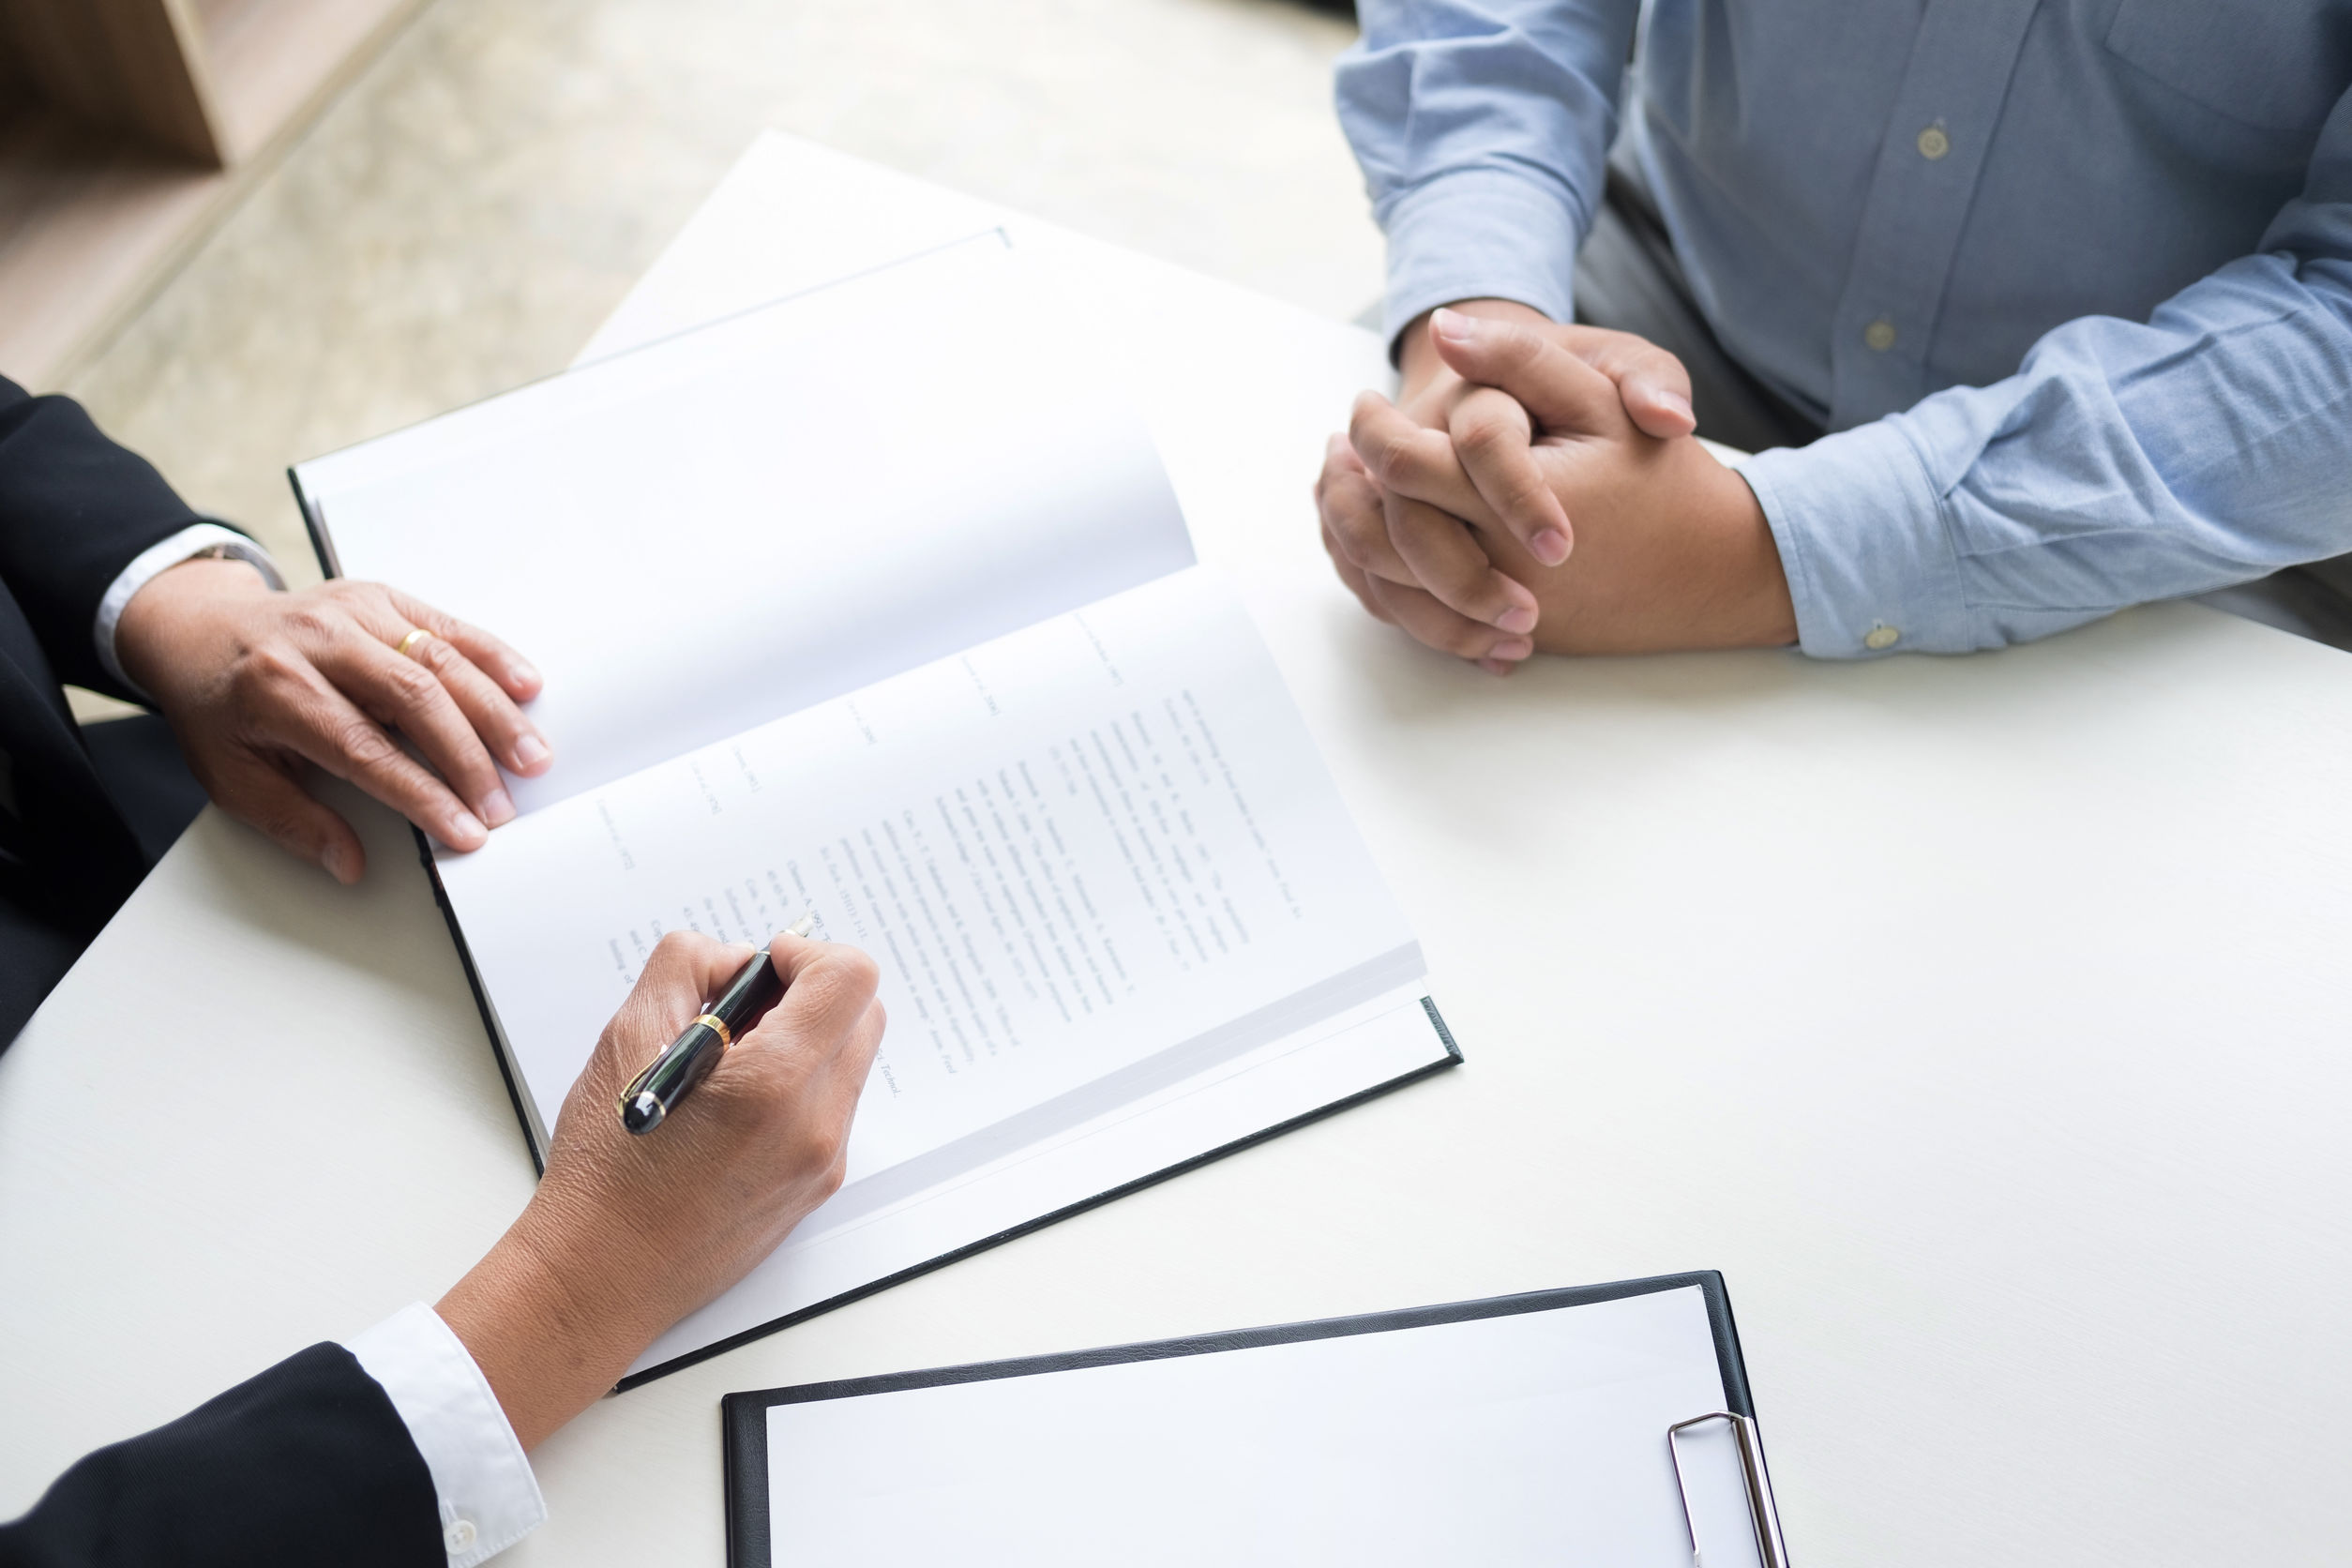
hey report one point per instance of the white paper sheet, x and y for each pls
(1532, 1438)
(729, 525)
(1091, 857)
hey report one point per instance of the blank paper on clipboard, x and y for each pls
(1526, 1429)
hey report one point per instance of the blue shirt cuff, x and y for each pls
(1480, 234)
(1862, 536)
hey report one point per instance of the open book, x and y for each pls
(869, 604)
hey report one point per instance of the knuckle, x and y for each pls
(830, 1183)
(309, 622)
(430, 655)
(1483, 434)
(819, 1145)
(412, 684)
(1517, 345)
(1414, 529)
(1353, 526)
(1455, 584)
(837, 986)
(860, 973)
(274, 818)
(270, 666)
(1392, 454)
(364, 743)
(1353, 491)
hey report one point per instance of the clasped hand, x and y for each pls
(1538, 489)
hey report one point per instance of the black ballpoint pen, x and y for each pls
(691, 1056)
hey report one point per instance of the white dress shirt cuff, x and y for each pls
(488, 1497)
(192, 540)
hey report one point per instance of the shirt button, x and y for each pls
(1934, 144)
(1879, 335)
(1881, 638)
(459, 1536)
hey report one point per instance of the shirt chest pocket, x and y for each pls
(2279, 65)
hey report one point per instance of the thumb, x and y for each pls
(1654, 384)
(1560, 391)
(250, 789)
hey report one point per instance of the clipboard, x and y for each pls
(888, 1469)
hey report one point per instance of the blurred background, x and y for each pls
(250, 232)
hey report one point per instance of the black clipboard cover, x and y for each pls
(744, 1417)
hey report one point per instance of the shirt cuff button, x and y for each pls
(1881, 636)
(459, 1536)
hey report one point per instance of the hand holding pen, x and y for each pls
(626, 1235)
(687, 1060)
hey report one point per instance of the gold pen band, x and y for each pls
(712, 1022)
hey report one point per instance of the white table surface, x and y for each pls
(1982, 1019)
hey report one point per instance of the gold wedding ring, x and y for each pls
(410, 641)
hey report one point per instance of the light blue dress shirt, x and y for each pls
(2070, 282)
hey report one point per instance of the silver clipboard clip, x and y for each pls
(1762, 1516)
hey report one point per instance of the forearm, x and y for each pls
(1482, 131)
(2124, 462)
(75, 509)
(551, 1317)
(308, 1463)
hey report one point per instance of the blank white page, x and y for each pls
(1537, 1438)
(736, 523)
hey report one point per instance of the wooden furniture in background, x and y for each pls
(127, 128)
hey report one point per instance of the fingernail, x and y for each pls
(1550, 547)
(498, 809)
(465, 832)
(530, 751)
(1518, 618)
(1512, 648)
(1454, 324)
(340, 863)
(526, 673)
(1497, 666)
(1679, 404)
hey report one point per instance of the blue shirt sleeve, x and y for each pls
(1483, 128)
(2124, 461)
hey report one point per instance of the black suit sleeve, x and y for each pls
(308, 1463)
(75, 509)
